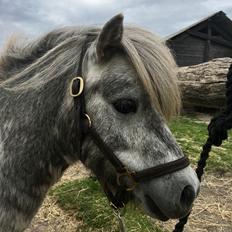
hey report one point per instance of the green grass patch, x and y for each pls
(86, 201)
(192, 134)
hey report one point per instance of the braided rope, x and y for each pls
(217, 131)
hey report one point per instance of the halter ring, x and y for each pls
(81, 86)
(89, 120)
(128, 174)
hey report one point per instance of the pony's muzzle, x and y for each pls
(172, 196)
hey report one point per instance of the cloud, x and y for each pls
(163, 17)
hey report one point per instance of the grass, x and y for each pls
(192, 134)
(84, 198)
(86, 201)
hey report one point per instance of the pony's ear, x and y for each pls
(110, 37)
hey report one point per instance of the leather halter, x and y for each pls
(84, 127)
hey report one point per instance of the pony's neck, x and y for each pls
(37, 133)
(38, 146)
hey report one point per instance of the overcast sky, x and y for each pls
(164, 17)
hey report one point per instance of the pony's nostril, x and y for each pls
(187, 196)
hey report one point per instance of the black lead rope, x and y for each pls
(217, 131)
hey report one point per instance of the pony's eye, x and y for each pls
(125, 106)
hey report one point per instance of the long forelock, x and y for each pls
(156, 69)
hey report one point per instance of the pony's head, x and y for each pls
(131, 91)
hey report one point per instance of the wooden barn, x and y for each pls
(205, 40)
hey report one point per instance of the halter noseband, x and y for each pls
(83, 127)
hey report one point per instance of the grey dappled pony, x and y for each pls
(130, 90)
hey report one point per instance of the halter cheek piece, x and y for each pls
(84, 127)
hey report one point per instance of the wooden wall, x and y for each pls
(217, 51)
(188, 51)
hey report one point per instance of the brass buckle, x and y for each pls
(81, 88)
(129, 175)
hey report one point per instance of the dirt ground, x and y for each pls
(212, 211)
(51, 218)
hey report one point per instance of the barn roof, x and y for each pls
(219, 18)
